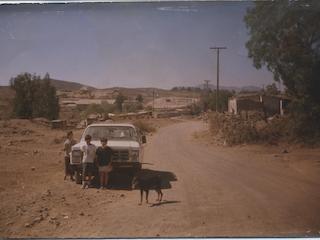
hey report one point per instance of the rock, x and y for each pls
(158, 235)
(35, 152)
(33, 168)
(66, 217)
(9, 223)
(81, 214)
(28, 225)
(53, 218)
(37, 219)
(10, 143)
(285, 151)
(122, 195)
(48, 193)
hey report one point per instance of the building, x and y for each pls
(270, 105)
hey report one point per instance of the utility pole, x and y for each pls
(153, 101)
(217, 92)
(207, 85)
(205, 95)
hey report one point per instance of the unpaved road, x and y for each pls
(219, 192)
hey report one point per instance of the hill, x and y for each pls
(236, 89)
(70, 86)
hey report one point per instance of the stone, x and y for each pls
(28, 225)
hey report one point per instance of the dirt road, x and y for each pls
(219, 192)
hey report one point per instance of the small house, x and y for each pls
(270, 105)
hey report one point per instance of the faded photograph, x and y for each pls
(160, 119)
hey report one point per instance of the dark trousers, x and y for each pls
(68, 168)
(87, 170)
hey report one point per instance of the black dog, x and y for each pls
(146, 184)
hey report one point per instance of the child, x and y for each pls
(104, 157)
(89, 155)
(68, 169)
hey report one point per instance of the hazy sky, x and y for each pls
(128, 44)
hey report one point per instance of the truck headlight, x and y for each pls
(135, 155)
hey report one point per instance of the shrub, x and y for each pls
(144, 126)
(35, 97)
(97, 108)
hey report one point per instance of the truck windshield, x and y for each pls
(111, 133)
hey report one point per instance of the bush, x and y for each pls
(94, 108)
(144, 126)
(232, 128)
(132, 107)
(195, 109)
(252, 128)
(35, 97)
(208, 100)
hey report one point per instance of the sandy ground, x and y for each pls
(218, 191)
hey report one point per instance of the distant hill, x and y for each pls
(66, 85)
(236, 89)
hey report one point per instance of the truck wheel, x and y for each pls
(137, 168)
(78, 178)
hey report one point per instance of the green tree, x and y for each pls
(208, 100)
(271, 89)
(35, 97)
(119, 101)
(22, 84)
(139, 98)
(285, 37)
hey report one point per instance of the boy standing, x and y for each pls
(68, 169)
(89, 154)
(104, 157)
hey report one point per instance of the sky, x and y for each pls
(129, 44)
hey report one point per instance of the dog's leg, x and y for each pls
(141, 195)
(147, 196)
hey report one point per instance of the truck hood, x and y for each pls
(113, 144)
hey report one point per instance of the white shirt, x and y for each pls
(89, 153)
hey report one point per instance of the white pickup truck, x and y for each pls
(125, 140)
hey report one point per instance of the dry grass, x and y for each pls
(144, 126)
(251, 128)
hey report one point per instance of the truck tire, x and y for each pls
(78, 178)
(137, 168)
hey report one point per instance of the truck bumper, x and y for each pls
(126, 165)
